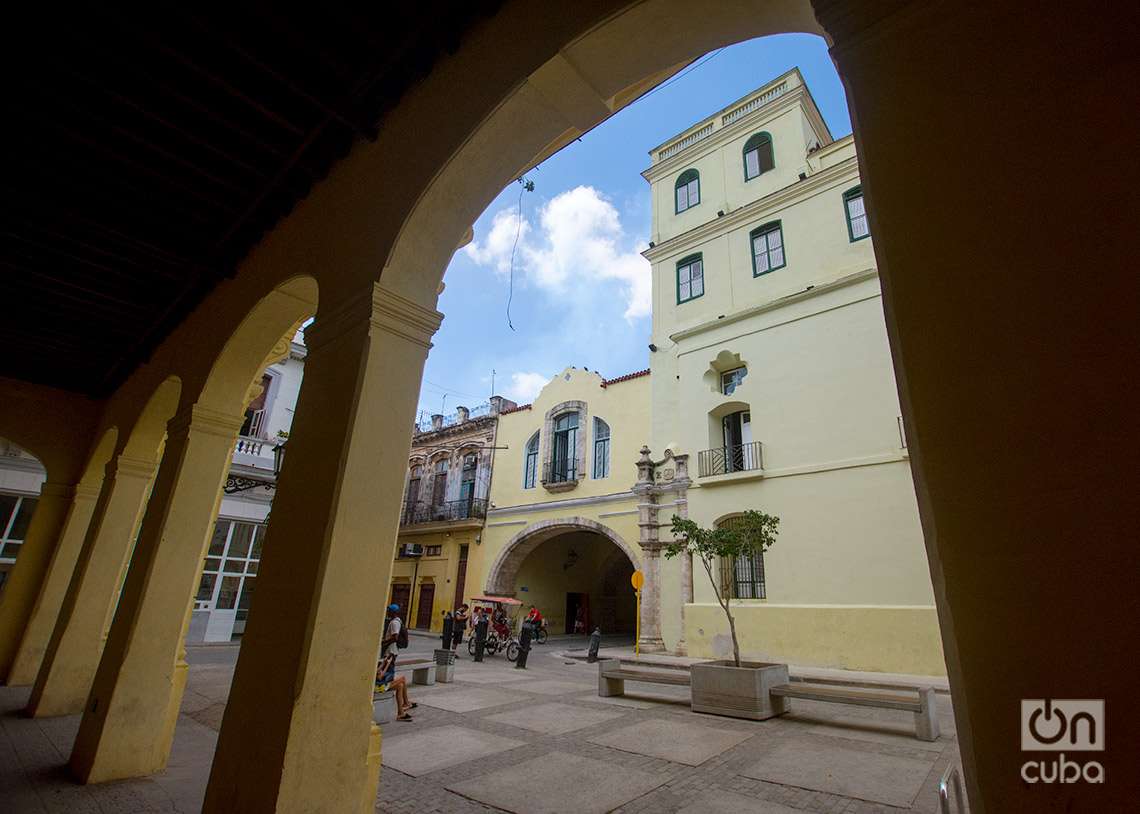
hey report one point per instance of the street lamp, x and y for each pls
(239, 483)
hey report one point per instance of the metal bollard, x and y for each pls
(524, 647)
(448, 629)
(481, 636)
(595, 643)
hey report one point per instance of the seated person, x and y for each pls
(386, 679)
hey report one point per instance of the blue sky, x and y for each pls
(580, 285)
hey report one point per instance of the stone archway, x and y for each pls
(501, 575)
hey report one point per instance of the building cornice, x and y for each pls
(788, 196)
(808, 293)
(556, 505)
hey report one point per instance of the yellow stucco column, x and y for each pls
(298, 733)
(72, 653)
(128, 722)
(62, 512)
(53, 589)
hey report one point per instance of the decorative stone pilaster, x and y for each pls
(658, 480)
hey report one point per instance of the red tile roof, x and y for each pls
(636, 375)
(515, 409)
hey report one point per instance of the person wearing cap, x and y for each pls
(392, 632)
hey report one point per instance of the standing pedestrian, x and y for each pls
(392, 632)
(482, 622)
(459, 622)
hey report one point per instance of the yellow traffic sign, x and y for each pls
(637, 579)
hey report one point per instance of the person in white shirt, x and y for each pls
(391, 632)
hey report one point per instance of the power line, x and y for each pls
(682, 74)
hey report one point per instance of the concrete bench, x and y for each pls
(612, 675)
(422, 670)
(920, 701)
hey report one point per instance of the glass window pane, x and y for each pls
(234, 566)
(761, 262)
(683, 292)
(683, 274)
(752, 164)
(775, 238)
(213, 563)
(698, 267)
(859, 227)
(698, 286)
(682, 199)
(227, 594)
(246, 593)
(241, 540)
(694, 192)
(259, 540)
(23, 517)
(218, 541)
(777, 255)
(251, 566)
(206, 588)
(855, 205)
(7, 505)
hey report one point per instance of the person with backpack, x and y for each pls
(459, 624)
(395, 634)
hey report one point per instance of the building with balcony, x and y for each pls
(772, 371)
(445, 505)
(229, 574)
(562, 526)
(21, 476)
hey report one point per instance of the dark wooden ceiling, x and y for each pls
(148, 151)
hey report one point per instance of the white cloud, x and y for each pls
(579, 253)
(524, 387)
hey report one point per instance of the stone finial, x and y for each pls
(645, 466)
(462, 414)
(437, 422)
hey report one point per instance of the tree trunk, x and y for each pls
(724, 603)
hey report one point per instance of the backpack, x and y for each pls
(402, 636)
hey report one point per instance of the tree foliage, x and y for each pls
(749, 535)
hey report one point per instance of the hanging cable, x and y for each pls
(524, 186)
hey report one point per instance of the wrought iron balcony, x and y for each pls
(419, 512)
(562, 470)
(736, 458)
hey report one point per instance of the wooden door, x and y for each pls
(461, 576)
(401, 593)
(424, 609)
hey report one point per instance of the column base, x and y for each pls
(648, 644)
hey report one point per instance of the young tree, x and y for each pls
(751, 534)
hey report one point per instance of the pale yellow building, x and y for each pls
(771, 370)
(562, 528)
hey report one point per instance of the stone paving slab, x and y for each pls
(485, 676)
(440, 747)
(551, 687)
(554, 719)
(688, 743)
(469, 700)
(852, 772)
(630, 701)
(560, 783)
(727, 802)
(876, 732)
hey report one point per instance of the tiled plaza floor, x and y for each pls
(498, 739)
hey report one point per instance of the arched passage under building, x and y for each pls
(576, 571)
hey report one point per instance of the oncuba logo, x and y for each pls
(1062, 725)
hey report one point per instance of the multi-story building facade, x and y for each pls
(771, 370)
(445, 504)
(229, 575)
(21, 476)
(562, 528)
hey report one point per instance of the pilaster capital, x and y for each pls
(200, 419)
(62, 490)
(130, 466)
(381, 309)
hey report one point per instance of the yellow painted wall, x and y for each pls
(440, 570)
(877, 639)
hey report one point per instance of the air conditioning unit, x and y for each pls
(411, 550)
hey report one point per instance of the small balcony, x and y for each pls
(450, 511)
(727, 460)
(562, 474)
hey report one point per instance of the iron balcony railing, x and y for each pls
(736, 458)
(561, 470)
(414, 513)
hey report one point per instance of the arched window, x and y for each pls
(690, 278)
(857, 227)
(564, 465)
(601, 448)
(767, 248)
(687, 190)
(439, 483)
(758, 155)
(742, 577)
(414, 478)
(530, 466)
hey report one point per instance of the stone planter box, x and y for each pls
(721, 688)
